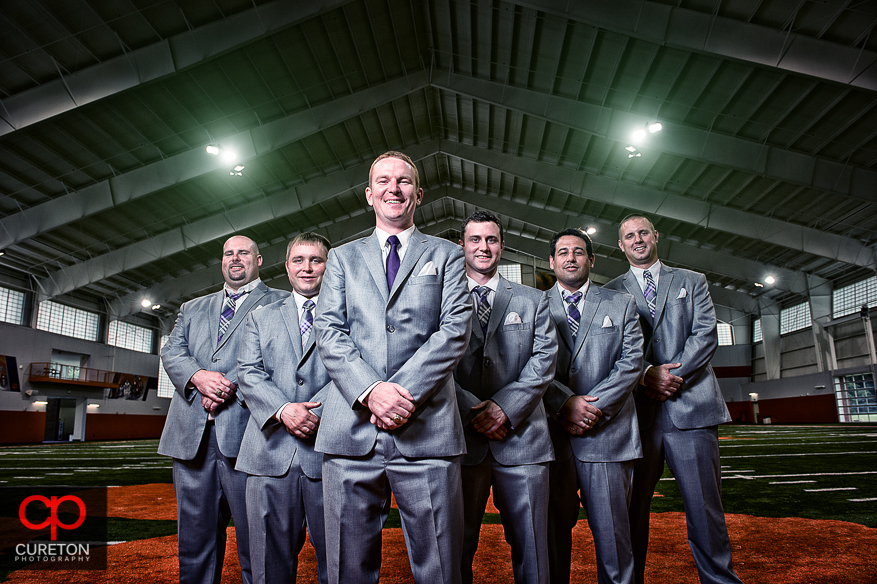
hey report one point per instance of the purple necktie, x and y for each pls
(483, 306)
(227, 312)
(307, 321)
(392, 260)
(650, 292)
(572, 313)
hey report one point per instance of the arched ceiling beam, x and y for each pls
(661, 204)
(185, 166)
(209, 279)
(692, 30)
(676, 253)
(152, 62)
(685, 141)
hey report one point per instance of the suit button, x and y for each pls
(487, 362)
(301, 381)
(215, 360)
(391, 329)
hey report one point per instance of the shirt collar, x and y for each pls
(654, 270)
(492, 283)
(564, 292)
(404, 237)
(300, 300)
(245, 289)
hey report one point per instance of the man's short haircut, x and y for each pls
(575, 232)
(634, 216)
(401, 156)
(309, 237)
(481, 217)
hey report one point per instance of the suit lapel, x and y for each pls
(372, 255)
(501, 300)
(215, 309)
(417, 245)
(589, 309)
(558, 313)
(664, 282)
(289, 311)
(632, 287)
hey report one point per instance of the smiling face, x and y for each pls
(482, 248)
(240, 261)
(639, 242)
(305, 266)
(571, 263)
(394, 195)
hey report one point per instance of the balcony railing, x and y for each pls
(71, 374)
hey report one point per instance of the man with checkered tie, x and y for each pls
(207, 416)
(594, 426)
(500, 381)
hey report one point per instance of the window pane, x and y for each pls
(11, 305)
(511, 272)
(68, 321)
(726, 335)
(795, 318)
(856, 398)
(849, 299)
(165, 387)
(756, 331)
(129, 336)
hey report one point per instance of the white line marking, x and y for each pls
(863, 500)
(832, 489)
(790, 482)
(799, 454)
(809, 474)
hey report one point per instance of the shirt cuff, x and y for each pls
(365, 394)
(642, 379)
(279, 411)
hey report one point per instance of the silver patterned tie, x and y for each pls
(483, 306)
(307, 321)
(650, 291)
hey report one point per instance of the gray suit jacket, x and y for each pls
(683, 331)
(274, 369)
(605, 362)
(412, 335)
(192, 346)
(512, 366)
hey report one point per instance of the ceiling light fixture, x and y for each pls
(640, 134)
(770, 279)
(2, 252)
(229, 156)
(654, 127)
(213, 149)
(237, 170)
(630, 148)
(759, 285)
(635, 155)
(146, 303)
(156, 306)
(592, 230)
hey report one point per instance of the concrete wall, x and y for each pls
(22, 421)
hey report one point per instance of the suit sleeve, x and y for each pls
(701, 344)
(433, 363)
(615, 388)
(519, 398)
(178, 362)
(341, 357)
(466, 400)
(262, 396)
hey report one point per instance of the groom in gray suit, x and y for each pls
(393, 321)
(207, 416)
(500, 383)
(283, 382)
(678, 402)
(599, 362)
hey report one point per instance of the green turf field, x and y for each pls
(817, 472)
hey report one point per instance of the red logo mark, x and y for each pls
(53, 520)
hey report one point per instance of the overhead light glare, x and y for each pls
(156, 306)
(770, 279)
(41, 403)
(94, 405)
(638, 135)
(630, 148)
(759, 285)
(592, 230)
(229, 156)
(213, 149)
(635, 155)
(655, 127)
(239, 168)
(146, 303)
(2, 252)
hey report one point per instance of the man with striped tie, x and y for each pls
(207, 416)
(594, 427)
(500, 381)
(678, 401)
(284, 384)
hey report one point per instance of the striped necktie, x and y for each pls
(228, 312)
(572, 313)
(483, 306)
(307, 321)
(650, 291)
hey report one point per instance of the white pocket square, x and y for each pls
(682, 294)
(607, 322)
(512, 318)
(428, 270)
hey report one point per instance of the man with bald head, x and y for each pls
(207, 416)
